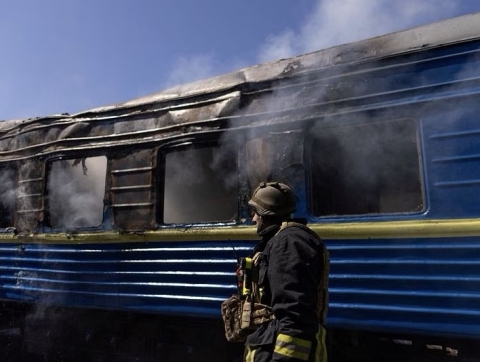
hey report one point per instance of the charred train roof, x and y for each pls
(263, 93)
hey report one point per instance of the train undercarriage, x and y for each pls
(40, 333)
(53, 334)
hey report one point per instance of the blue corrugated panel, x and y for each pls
(422, 285)
(419, 285)
(186, 278)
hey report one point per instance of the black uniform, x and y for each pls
(293, 277)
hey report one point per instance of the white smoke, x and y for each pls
(189, 69)
(7, 197)
(330, 23)
(76, 192)
(334, 22)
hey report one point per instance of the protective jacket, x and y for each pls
(292, 278)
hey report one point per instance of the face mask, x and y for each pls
(260, 225)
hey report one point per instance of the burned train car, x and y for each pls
(119, 224)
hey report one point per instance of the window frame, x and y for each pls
(161, 182)
(48, 169)
(13, 207)
(368, 119)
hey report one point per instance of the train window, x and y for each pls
(7, 196)
(365, 169)
(76, 189)
(200, 185)
(276, 156)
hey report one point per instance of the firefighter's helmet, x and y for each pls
(273, 199)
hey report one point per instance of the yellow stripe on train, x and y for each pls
(352, 230)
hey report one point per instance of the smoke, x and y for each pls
(335, 22)
(198, 185)
(189, 69)
(329, 23)
(76, 191)
(369, 166)
(7, 197)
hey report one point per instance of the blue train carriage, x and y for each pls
(119, 223)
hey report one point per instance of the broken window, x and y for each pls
(76, 189)
(200, 185)
(365, 168)
(276, 156)
(7, 196)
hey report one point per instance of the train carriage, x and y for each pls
(121, 225)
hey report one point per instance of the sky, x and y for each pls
(67, 56)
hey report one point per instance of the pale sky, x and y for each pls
(72, 55)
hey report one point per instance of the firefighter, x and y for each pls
(293, 266)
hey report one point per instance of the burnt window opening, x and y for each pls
(365, 168)
(277, 156)
(200, 185)
(76, 190)
(8, 178)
